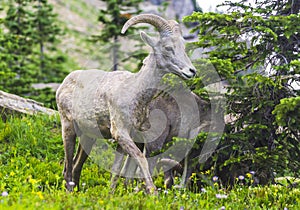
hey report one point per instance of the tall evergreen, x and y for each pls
(5, 58)
(18, 22)
(47, 33)
(32, 33)
(117, 12)
(256, 48)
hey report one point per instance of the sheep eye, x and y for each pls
(169, 48)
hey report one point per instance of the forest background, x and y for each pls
(253, 48)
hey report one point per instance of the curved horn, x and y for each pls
(175, 27)
(171, 163)
(158, 22)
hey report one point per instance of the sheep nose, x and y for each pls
(193, 72)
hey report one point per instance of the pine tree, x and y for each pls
(256, 48)
(33, 31)
(113, 18)
(5, 72)
(47, 32)
(18, 22)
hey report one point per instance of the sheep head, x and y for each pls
(169, 49)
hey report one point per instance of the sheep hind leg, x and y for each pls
(69, 140)
(84, 148)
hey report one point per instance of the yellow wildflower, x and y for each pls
(40, 195)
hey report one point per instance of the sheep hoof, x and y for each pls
(151, 190)
(70, 186)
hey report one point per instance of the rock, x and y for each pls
(183, 8)
(176, 9)
(52, 86)
(156, 2)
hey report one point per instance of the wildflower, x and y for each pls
(203, 190)
(221, 196)
(72, 183)
(285, 208)
(166, 192)
(32, 181)
(83, 184)
(40, 195)
(241, 177)
(181, 208)
(4, 194)
(252, 172)
(222, 208)
(249, 175)
(215, 178)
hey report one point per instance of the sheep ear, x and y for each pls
(148, 40)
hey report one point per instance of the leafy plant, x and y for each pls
(255, 49)
(29, 53)
(31, 162)
(113, 18)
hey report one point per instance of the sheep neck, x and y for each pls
(149, 78)
(149, 83)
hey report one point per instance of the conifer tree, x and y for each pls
(256, 49)
(5, 72)
(32, 34)
(18, 22)
(47, 33)
(116, 14)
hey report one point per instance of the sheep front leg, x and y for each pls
(116, 168)
(69, 140)
(130, 147)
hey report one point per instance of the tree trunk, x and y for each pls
(115, 54)
(40, 28)
(13, 104)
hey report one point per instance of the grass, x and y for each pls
(31, 162)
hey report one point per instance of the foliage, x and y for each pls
(5, 72)
(31, 161)
(256, 50)
(113, 19)
(29, 52)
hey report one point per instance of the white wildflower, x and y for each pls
(252, 172)
(221, 196)
(241, 177)
(215, 178)
(4, 194)
(72, 183)
(203, 190)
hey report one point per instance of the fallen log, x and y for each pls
(12, 104)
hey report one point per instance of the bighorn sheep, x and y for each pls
(170, 108)
(97, 104)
